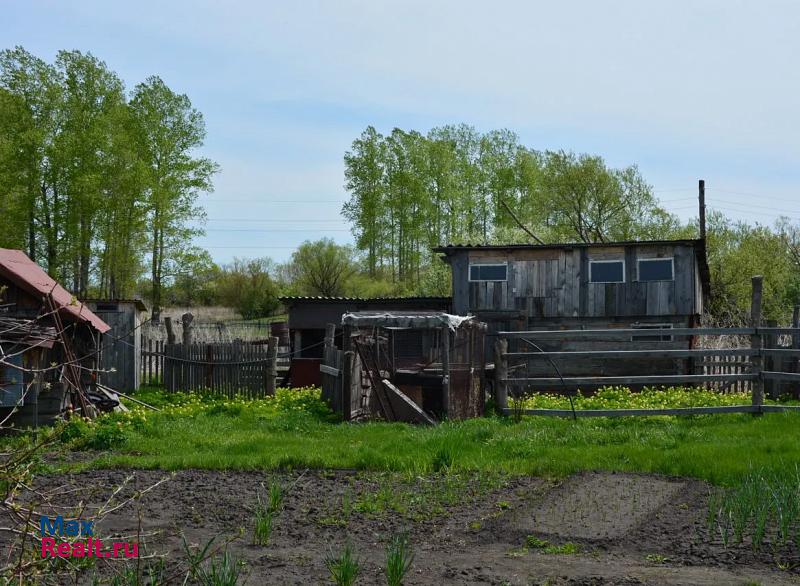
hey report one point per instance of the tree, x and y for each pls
(322, 268)
(169, 129)
(247, 286)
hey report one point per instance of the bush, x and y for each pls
(624, 398)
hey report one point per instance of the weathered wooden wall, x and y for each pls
(121, 351)
(554, 283)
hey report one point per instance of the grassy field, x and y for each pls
(294, 430)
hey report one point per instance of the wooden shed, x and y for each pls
(57, 330)
(309, 316)
(637, 284)
(121, 355)
(415, 366)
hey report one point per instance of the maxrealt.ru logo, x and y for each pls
(72, 546)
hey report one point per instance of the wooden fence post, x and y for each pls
(328, 354)
(795, 362)
(186, 320)
(446, 370)
(501, 372)
(348, 357)
(755, 342)
(170, 330)
(770, 363)
(272, 364)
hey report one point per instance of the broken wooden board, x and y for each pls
(404, 408)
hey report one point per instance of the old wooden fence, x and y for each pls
(250, 369)
(760, 366)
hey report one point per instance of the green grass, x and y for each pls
(294, 431)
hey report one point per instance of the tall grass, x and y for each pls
(294, 431)
(763, 507)
(344, 567)
(399, 558)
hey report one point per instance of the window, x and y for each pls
(656, 269)
(607, 271)
(488, 272)
(652, 337)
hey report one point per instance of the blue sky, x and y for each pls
(687, 90)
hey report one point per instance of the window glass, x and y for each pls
(655, 269)
(495, 272)
(607, 271)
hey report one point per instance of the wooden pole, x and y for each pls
(446, 371)
(501, 372)
(170, 330)
(186, 320)
(755, 341)
(328, 353)
(272, 364)
(796, 346)
(702, 202)
(348, 358)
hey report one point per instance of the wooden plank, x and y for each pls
(670, 379)
(787, 376)
(408, 407)
(325, 369)
(636, 412)
(638, 353)
(629, 331)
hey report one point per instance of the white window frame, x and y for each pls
(671, 259)
(648, 326)
(486, 264)
(591, 262)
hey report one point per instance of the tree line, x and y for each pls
(410, 192)
(97, 184)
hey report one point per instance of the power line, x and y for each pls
(268, 230)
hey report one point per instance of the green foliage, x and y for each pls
(321, 267)
(399, 557)
(344, 567)
(624, 398)
(225, 571)
(247, 286)
(764, 505)
(104, 433)
(88, 176)
(737, 251)
(410, 192)
(544, 546)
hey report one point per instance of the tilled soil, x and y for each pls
(629, 528)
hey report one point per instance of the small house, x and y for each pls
(635, 284)
(42, 325)
(120, 359)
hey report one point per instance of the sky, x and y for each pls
(684, 89)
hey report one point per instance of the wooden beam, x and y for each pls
(630, 332)
(667, 379)
(501, 372)
(637, 353)
(788, 376)
(637, 412)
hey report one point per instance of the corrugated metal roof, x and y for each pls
(455, 247)
(27, 275)
(322, 299)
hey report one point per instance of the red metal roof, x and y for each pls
(27, 275)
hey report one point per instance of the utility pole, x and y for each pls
(702, 197)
